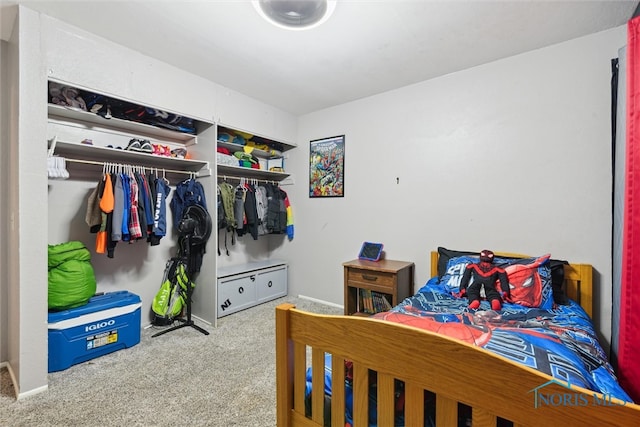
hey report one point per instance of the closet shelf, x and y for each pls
(258, 139)
(256, 151)
(90, 120)
(251, 173)
(112, 155)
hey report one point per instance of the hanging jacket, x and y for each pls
(134, 219)
(111, 243)
(118, 209)
(226, 195)
(151, 180)
(92, 216)
(238, 209)
(160, 217)
(276, 210)
(142, 215)
(126, 203)
(106, 200)
(289, 210)
(106, 207)
(147, 203)
(188, 192)
(261, 209)
(250, 212)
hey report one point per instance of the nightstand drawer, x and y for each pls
(379, 278)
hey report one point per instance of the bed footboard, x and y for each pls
(456, 372)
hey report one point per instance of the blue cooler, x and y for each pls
(107, 323)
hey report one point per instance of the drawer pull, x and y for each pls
(270, 284)
(240, 290)
(367, 277)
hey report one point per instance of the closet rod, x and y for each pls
(240, 178)
(91, 162)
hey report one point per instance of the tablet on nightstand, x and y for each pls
(370, 251)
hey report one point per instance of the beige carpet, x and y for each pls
(182, 378)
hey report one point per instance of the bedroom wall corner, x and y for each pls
(4, 135)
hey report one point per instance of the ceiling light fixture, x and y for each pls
(295, 14)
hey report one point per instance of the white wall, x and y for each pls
(513, 156)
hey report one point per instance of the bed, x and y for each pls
(439, 385)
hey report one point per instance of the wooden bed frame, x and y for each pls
(427, 361)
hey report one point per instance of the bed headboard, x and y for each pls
(578, 280)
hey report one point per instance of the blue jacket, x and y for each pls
(188, 192)
(160, 215)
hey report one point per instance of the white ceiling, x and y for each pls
(367, 47)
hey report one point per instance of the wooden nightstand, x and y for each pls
(371, 287)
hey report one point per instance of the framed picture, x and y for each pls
(326, 167)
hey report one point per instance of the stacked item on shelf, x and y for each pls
(233, 137)
(247, 160)
(250, 151)
(140, 145)
(108, 107)
(224, 157)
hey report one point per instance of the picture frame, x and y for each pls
(326, 167)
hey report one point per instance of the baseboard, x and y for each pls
(14, 382)
(32, 392)
(201, 320)
(319, 301)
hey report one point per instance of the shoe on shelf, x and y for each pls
(134, 145)
(146, 147)
(179, 153)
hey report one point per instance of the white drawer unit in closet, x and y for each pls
(236, 293)
(243, 286)
(272, 284)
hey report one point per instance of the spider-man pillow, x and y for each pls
(530, 282)
(529, 279)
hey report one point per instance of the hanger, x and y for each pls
(241, 185)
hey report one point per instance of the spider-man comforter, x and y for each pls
(559, 342)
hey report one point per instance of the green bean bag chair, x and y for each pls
(72, 280)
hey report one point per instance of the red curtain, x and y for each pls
(629, 337)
